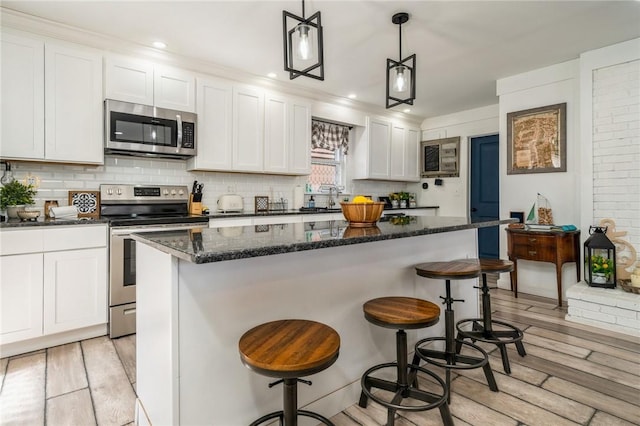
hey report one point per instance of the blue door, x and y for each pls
(485, 199)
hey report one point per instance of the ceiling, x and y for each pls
(462, 47)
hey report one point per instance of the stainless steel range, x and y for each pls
(132, 209)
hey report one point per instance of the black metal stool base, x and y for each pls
(500, 338)
(280, 415)
(454, 361)
(403, 391)
(289, 415)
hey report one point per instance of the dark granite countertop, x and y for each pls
(17, 223)
(220, 244)
(221, 215)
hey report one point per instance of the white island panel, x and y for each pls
(189, 369)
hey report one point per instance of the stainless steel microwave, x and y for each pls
(144, 130)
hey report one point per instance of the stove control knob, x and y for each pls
(173, 192)
(110, 191)
(181, 192)
(119, 191)
(166, 192)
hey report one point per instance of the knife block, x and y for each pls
(195, 207)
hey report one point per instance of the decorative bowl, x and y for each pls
(361, 215)
(28, 214)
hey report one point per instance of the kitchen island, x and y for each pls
(199, 290)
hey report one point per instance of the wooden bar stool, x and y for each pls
(289, 349)
(450, 358)
(482, 328)
(403, 313)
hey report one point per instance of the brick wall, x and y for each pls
(616, 147)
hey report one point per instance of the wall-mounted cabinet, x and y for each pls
(440, 157)
(51, 97)
(246, 129)
(387, 150)
(131, 80)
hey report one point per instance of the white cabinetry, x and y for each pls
(388, 151)
(214, 133)
(248, 129)
(22, 93)
(20, 297)
(73, 104)
(276, 134)
(141, 82)
(51, 101)
(245, 129)
(54, 280)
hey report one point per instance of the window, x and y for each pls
(330, 144)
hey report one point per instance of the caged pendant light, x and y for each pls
(303, 48)
(401, 74)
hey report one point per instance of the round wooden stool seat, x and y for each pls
(452, 270)
(289, 348)
(403, 313)
(496, 266)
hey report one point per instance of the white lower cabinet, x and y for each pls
(20, 297)
(53, 280)
(74, 289)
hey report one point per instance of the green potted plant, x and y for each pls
(14, 196)
(394, 199)
(404, 199)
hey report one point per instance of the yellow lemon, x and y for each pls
(359, 199)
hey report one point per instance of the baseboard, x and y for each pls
(30, 345)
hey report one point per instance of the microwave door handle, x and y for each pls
(179, 120)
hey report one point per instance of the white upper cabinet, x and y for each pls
(128, 80)
(174, 89)
(411, 152)
(141, 82)
(51, 101)
(215, 121)
(73, 104)
(22, 92)
(379, 148)
(248, 129)
(276, 134)
(300, 137)
(388, 151)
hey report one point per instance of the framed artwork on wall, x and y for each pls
(537, 140)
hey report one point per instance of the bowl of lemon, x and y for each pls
(362, 211)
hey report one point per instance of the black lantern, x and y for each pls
(599, 259)
(401, 74)
(302, 39)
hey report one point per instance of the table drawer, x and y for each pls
(534, 247)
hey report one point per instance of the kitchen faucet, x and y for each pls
(331, 203)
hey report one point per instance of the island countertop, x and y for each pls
(221, 244)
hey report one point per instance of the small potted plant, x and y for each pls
(404, 199)
(15, 196)
(601, 269)
(394, 200)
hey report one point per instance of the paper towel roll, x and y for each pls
(298, 197)
(63, 212)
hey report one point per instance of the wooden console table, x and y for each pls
(543, 246)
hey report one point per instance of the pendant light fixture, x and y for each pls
(302, 39)
(401, 74)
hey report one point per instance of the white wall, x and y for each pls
(453, 195)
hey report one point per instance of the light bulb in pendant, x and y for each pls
(304, 45)
(400, 82)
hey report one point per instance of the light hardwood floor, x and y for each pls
(572, 374)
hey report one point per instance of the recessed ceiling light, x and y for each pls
(407, 110)
(272, 75)
(159, 45)
(352, 96)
